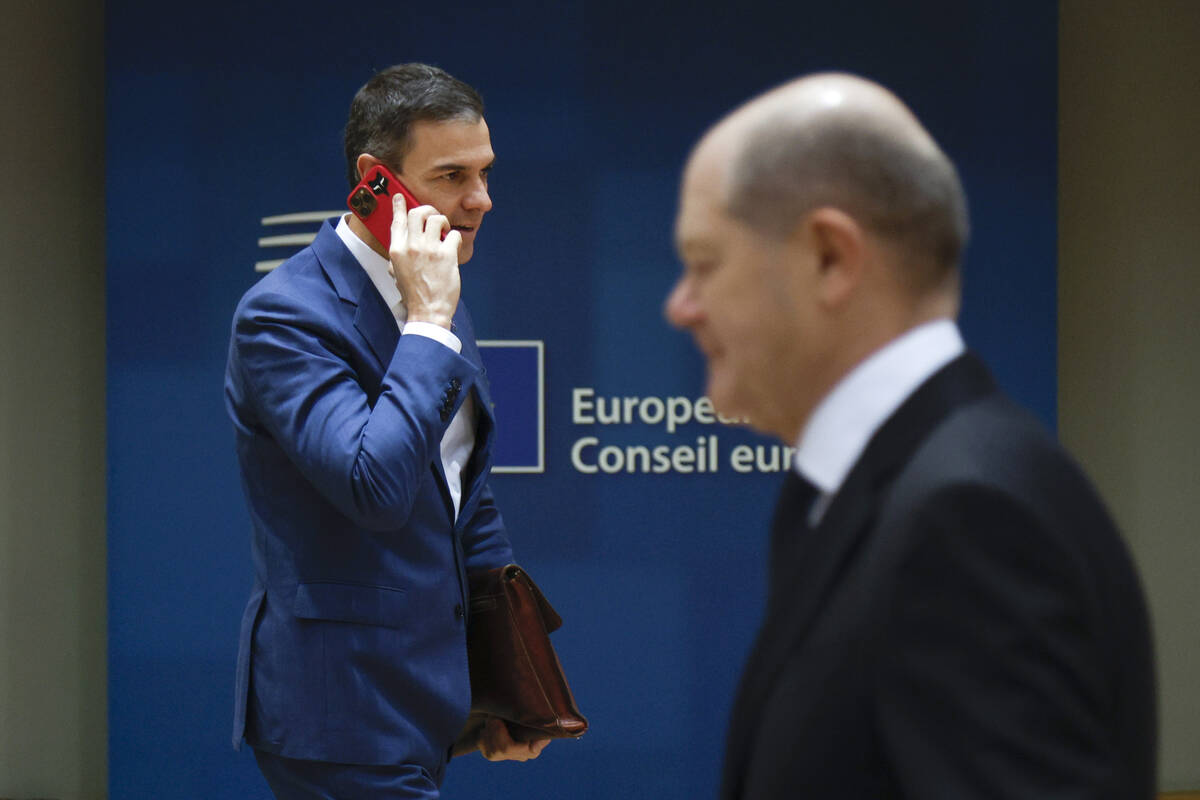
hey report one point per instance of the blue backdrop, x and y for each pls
(222, 114)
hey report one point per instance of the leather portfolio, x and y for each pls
(515, 673)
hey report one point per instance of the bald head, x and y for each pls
(816, 224)
(835, 140)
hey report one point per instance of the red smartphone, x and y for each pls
(371, 201)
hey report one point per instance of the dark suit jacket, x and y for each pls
(964, 622)
(353, 643)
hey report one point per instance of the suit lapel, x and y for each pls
(372, 318)
(801, 574)
(460, 327)
(788, 529)
(812, 566)
(377, 326)
(481, 456)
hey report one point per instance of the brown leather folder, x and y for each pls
(515, 673)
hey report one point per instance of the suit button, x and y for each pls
(458, 611)
(455, 384)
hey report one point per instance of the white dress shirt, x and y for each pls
(459, 439)
(844, 421)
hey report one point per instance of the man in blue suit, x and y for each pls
(364, 434)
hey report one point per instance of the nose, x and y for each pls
(681, 307)
(477, 197)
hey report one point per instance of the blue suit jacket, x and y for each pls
(353, 643)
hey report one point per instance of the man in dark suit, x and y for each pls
(364, 434)
(950, 612)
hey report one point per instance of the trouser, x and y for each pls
(295, 779)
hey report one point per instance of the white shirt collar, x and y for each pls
(844, 421)
(378, 268)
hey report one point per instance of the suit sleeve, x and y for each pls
(989, 681)
(366, 460)
(485, 540)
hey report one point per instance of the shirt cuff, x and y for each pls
(433, 331)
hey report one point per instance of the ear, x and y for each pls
(838, 242)
(364, 162)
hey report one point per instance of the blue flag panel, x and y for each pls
(516, 377)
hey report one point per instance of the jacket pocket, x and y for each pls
(352, 602)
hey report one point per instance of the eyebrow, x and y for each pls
(458, 167)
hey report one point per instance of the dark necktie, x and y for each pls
(789, 528)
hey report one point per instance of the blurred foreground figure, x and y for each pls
(951, 612)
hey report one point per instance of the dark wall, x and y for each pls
(52, 590)
(1129, 326)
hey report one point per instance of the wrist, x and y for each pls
(439, 318)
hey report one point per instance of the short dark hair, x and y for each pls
(384, 110)
(896, 188)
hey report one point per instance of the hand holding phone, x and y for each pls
(421, 246)
(371, 201)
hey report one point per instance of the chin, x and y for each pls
(464, 253)
(733, 403)
(722, 401)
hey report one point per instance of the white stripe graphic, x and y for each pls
(302, 216)
(289, 239)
